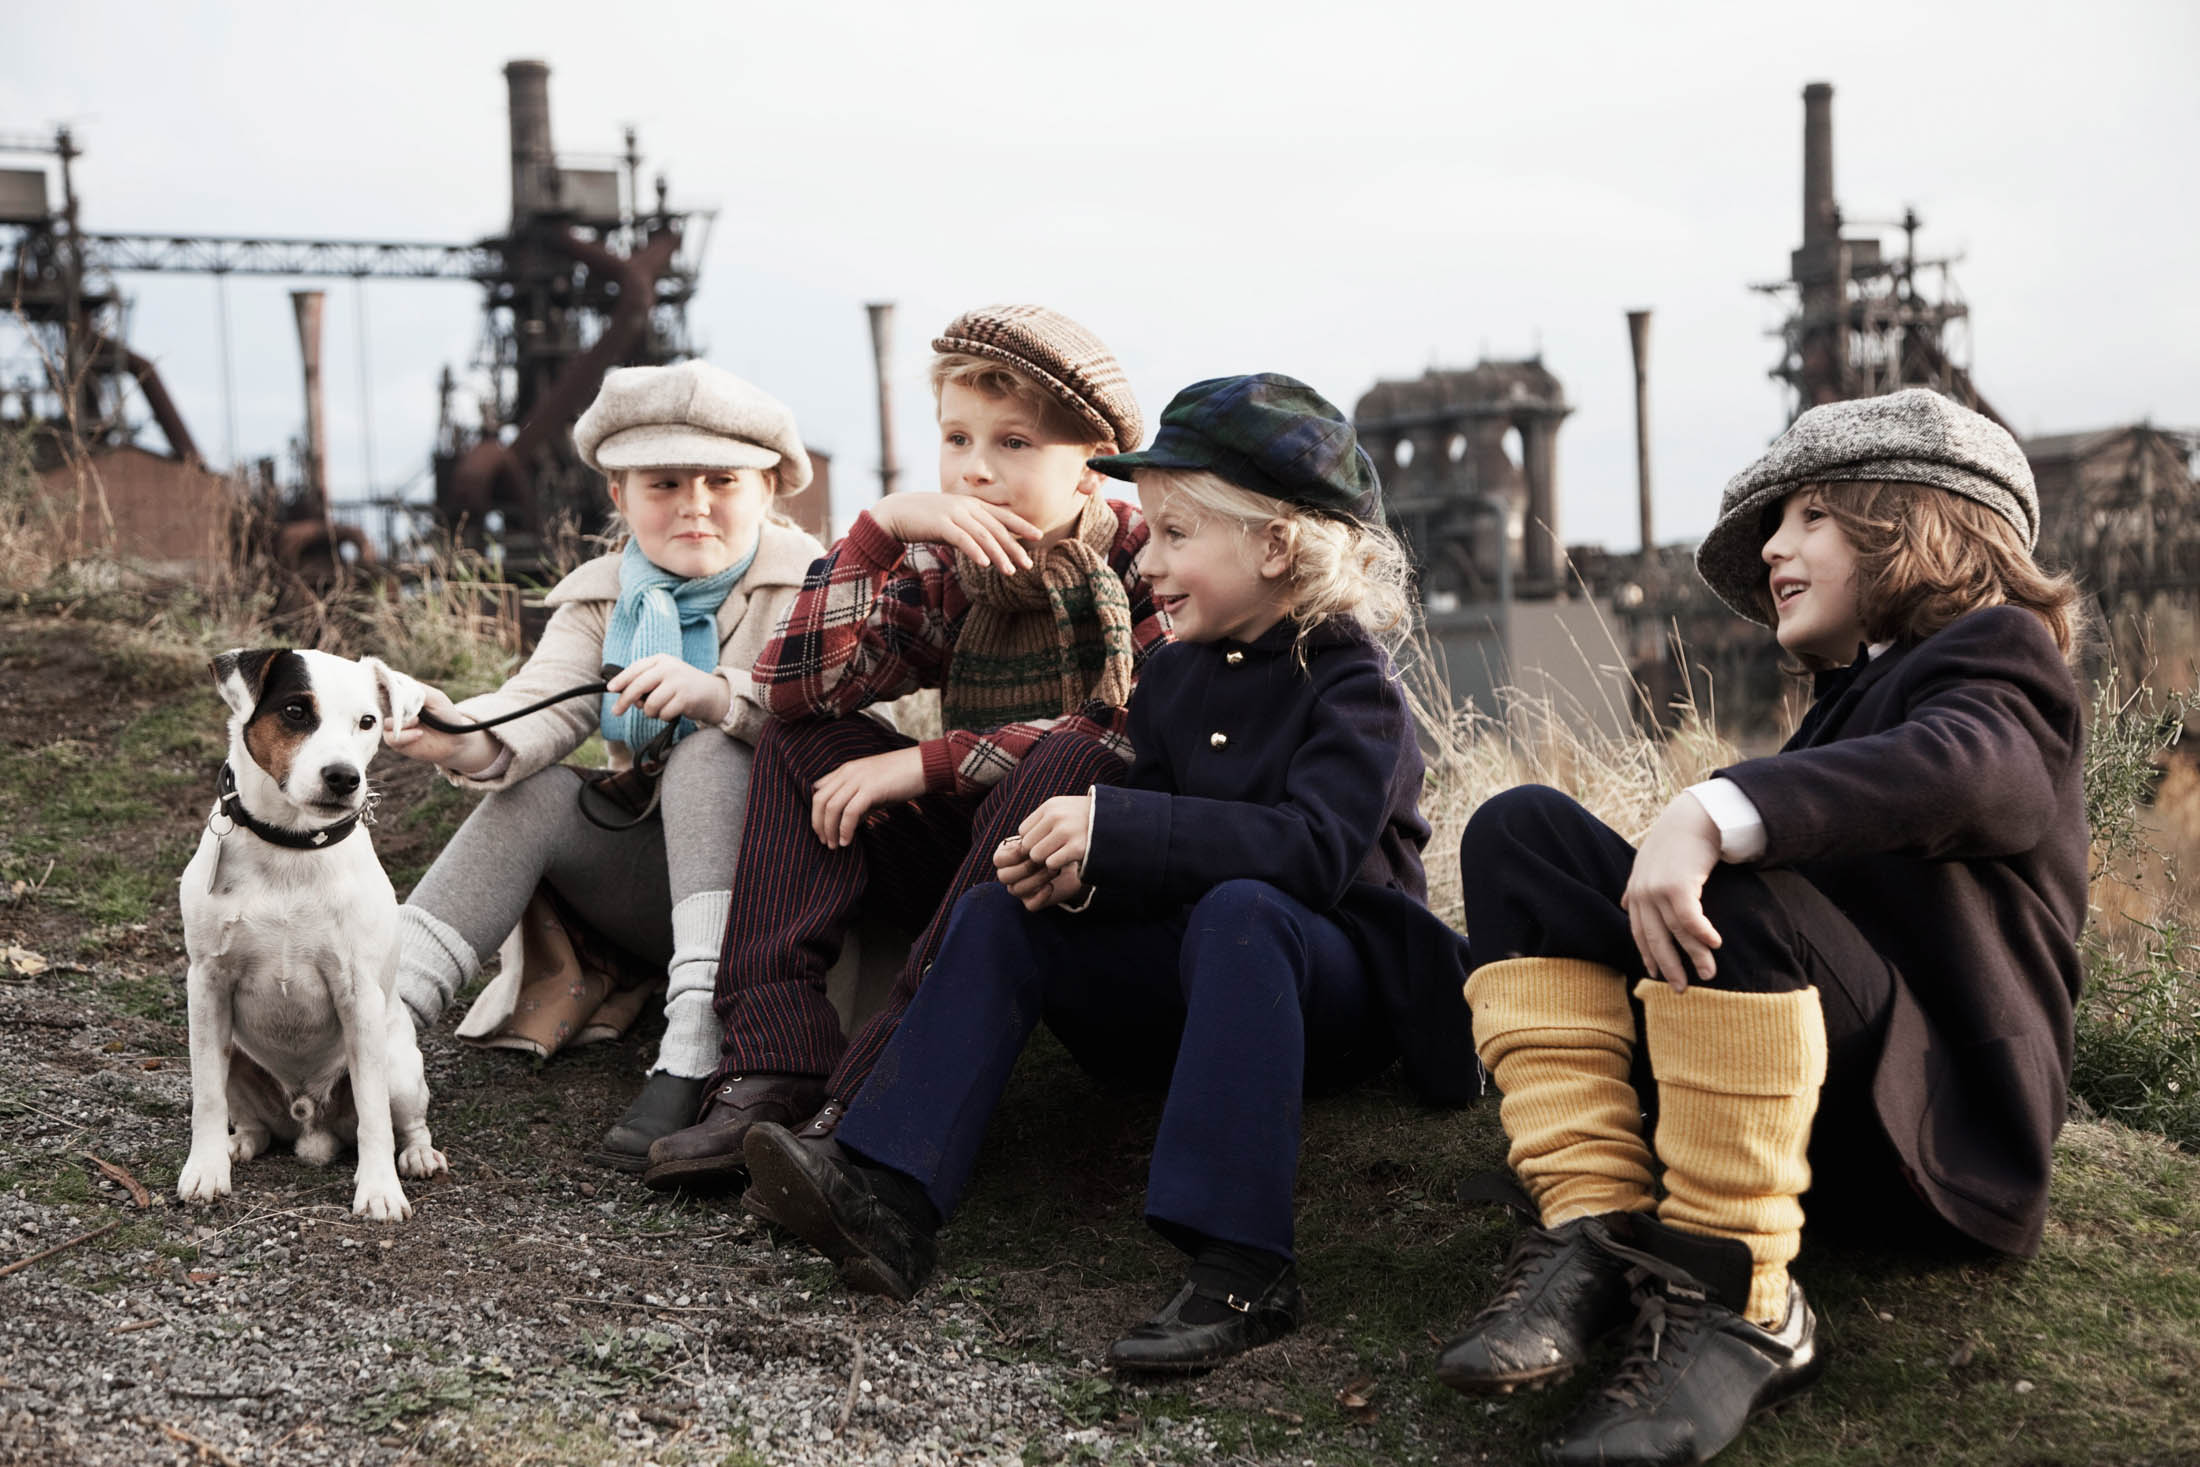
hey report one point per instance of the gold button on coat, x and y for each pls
(1219, 740)
(1233, 658)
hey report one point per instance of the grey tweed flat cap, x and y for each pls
(690, 415)
(1915, 436)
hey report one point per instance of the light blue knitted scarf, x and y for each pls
(658, 611)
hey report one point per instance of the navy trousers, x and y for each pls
(1238, 1001)
(794, 900)
(1546, 879)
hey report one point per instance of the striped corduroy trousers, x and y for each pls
(794, 899)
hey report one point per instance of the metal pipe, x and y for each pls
(882, 351)
(1818, 207)
(307, 304)
(534, 162)
(1638, 336)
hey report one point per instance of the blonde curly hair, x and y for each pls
(1338, 566)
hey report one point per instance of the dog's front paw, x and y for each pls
(244, 1145)
(381, 1202)
(205, 1177)
(421, 1160)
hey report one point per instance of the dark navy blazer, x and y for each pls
(1938, 800)
(1247, 766)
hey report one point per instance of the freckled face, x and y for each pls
(1209, 575)
(1812, 573)
(993, 448)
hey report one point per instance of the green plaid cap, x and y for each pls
(1268, 433)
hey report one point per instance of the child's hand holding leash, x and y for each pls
(1664, 896)
(666, 688)
(842, 798)
(463, 752)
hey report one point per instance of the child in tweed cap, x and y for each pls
(1846, 969)
(1012, 590)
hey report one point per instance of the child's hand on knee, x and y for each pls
(1664, 896)
(666, 688)
(842, 798)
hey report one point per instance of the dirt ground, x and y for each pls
(534, 1308)
(536, 1311)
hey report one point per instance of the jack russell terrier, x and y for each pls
(291, 928)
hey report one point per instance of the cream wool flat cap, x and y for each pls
(690, 415)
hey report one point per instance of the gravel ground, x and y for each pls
(551, 1306)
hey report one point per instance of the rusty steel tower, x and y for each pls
(1862, 322)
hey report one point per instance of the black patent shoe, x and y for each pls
(1167, 1343)
(1695, 1370)
(814, 1192)
(1560, 1293)
(666, 1104)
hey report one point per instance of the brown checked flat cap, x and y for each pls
(1068, 362)
(1915, 436)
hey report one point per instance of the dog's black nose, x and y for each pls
(341, 779)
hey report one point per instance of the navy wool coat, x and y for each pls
(1246, 766)
(1938, 801)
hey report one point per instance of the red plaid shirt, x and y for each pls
(877, 619)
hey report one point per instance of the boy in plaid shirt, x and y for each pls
(1013, 591)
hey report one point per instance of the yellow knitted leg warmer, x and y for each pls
(1738, 1077)
(1557, 1036)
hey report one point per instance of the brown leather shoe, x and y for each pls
(814, 1132)
(707, 1155)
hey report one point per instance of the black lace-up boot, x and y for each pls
(1558, 1296)
(1695, 1369)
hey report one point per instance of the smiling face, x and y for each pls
(693, 522)
(1812, 579)
(998, 450)
(1214, 577)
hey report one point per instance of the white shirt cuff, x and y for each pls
(1741, 828)
(1092, 810)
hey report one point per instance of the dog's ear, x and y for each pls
(240, 674)
(397, 695)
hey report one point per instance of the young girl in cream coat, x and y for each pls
(694, 458)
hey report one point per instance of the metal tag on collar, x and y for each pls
(1242, 1306)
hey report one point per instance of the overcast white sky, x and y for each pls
(1342, 192)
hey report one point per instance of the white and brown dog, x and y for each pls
(291, 927)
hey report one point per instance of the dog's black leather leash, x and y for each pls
(607, 672)
(231, 804)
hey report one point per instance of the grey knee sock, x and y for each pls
(690, 1047)
(433, 962)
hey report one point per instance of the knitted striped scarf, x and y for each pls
(1046, 641)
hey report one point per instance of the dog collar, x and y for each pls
(229, 803)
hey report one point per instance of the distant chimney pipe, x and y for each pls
(882, 352)
(534, 163)
(1638, 336)
(307, 304)
(1819, 212)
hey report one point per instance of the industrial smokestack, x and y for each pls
(882, 353)
(534, 164)
(307, 304)
(1638, 335)
(1819, 213)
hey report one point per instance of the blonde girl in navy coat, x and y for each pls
(1241, 917)
(1847, 968)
